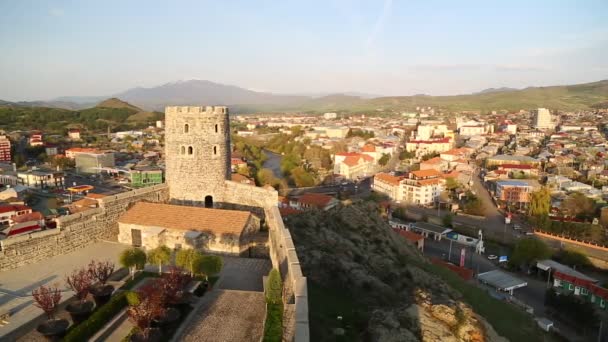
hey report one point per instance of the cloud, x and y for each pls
(56, 12)
(379, 26)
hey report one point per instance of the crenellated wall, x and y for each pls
(75, 231)
(295, 289)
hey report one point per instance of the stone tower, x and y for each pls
(197, 153)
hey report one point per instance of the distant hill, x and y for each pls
(116, 103)
(566, 97)
(48, 104)
(496, 90)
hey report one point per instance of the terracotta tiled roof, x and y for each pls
(289, 211)
(347, 154)
(368, 148)
(426, 173)
(318, 200)
(367, 158)
(35, 216)
(457, 151)
(180, 217)
(425, 182)
(433, 161)
(387, 178)
(352, 160)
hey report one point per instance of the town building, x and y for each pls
(146, 176)
(8, 212)
(328, 116)
(353, 165)
(5, 149)
(74, 134)
(501, 159)
(543, 119)
(150, 225)
(41, 178)
(430, 146)
(422, 187)
(311, 200)
(387, 184)
(36, 139)
(515, 191)
(94, 162)
(415, 238)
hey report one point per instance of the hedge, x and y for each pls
(273, 327)
(88, 328)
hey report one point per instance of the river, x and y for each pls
(273, 162)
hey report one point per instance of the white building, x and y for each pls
(329, 116)
(543, 119)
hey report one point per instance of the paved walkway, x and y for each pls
(16, 285)
(228, 316)
(243, 274)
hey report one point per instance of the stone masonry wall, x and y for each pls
(295, 295)
(75, 231)
(197, 150)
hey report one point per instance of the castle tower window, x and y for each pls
(186, 128)
(214, 149)
(215, 128)
(190, 150)
(183, 150)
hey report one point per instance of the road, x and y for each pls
(532, 295)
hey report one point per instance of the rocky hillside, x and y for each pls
(382, 288)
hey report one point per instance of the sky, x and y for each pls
(97, 48)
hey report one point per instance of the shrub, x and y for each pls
(101, 270)
(98, 319)
(133, 258)
(274, 287)
(132, 298)
(80, 282)
(47, 298)
(273, 327)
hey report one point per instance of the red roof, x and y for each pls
(347, 154)
(434, 141)
(464, 273)
(387, 178)
(13, 207)
(368, 148)
(288, 211)
(35, 216)
(572, 279)
(318, 200)
(410, 236)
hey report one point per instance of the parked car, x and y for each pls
(492, 257)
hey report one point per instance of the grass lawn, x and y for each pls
(507, 320)
(325, 305)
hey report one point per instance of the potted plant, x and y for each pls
(80, 282)
(47, 298)
(101, 271)
(172, 285)
(141, 314)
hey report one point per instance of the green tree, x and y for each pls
(266, 176)
(529, 250)
(406, 155)
(133, 258)
(187, 259)
(573, 258)
(274, 287)
(210, 265)
(451, 183)
(160, 256)
(302, 178)
(384, 159)
(540, 202)
(578, 205)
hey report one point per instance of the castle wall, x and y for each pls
(295, 289)
(75, 231)
(197, 150)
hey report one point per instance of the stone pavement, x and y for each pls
(228, 316)
(243, 274)
(16, 285)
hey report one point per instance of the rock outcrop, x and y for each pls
(351, 249)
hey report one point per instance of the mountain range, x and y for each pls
(567, 97)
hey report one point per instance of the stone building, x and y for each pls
(150, 225)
